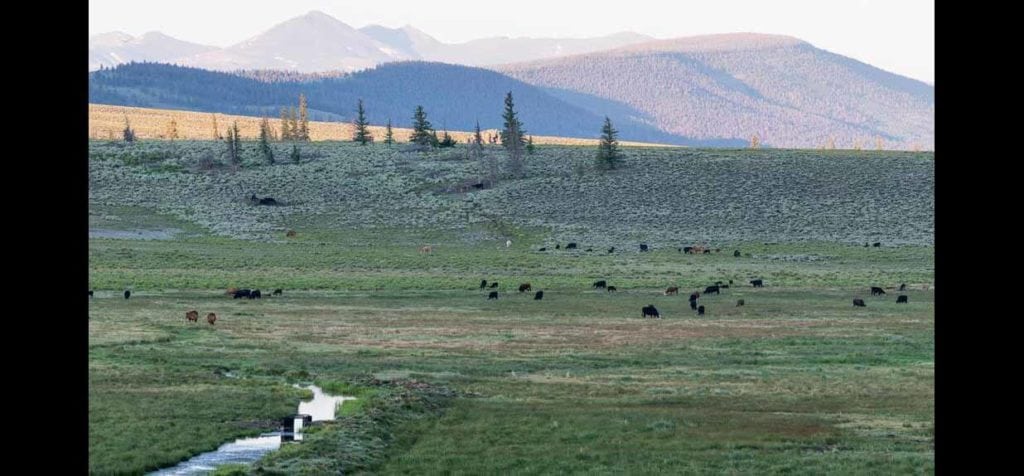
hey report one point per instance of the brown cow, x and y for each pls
(525, 287)
(211, 318)
(426, 249)
(290, 234)
(672, 290)
(192, 316)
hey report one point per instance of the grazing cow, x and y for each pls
(278, 292)
(679, 250)
(570, 246)
(730, 282)
(700, 310)
(543, 249)
(611, 250)
(211, 318)
(877, 291)
(858, 302)
(694, 296)
(902, 298)
(643, 247)
(493, 285)
(711, 289)
(600, 284)
(508, 243)
(612, 288)
(242, 293)
(707, 252)
(758, 283)
(538, 296)
(558, 247)
(90, 294)
(483, 283)
(736, 254)
(878, 244)
(492, 295)
(192, 316)
(903, 287)
(673, 290)
(688, 250)
(426, 249)
(525, 287)
(650, 310)
(127, 294)
(290, 234)
(589, 250)
(255, 294)
(739, 303)
(268, 201)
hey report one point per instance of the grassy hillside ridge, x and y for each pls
(667, 197)
(107, 121)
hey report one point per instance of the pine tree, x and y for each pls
(389, 136)
(302, 132)
(529, 146)
(515, 150)
(128, 133)
(265, 150)
(422, 132)
(477, 138)
(362, 135)
(172, 130)
(608, 155)
(446, 140)
(510, 119)
(232, 142)
(286, 133)
(216, 130)
(295, 154)
(293, 125)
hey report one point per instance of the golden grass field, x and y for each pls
(107, 122)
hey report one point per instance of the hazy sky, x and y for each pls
(897, 36)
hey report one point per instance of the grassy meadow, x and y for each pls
(795, 381)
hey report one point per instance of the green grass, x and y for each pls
(796, 381)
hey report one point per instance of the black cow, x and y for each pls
(707, 252)
(612, 288)
(268, 201)
(643, 247)
(650, 310)
(858, 302)
(538, 296)
(589, 250)
(242, 293)
(256, 295)
(877, 291)
(694, 296)
(493, 295)
(483, 283)
(739, 303)
(700, 310)
(570, 246)
(600, 284)
(903, 287)
(688, 250)
(877, 244)
(736, 253)
(558, 247)
(711, 289)
(90, 294)
(525, 287)
(902, 299)
(611, 250)
(757, 283)
(127, 294)
(493, 285)
(730, 282)
(543, 249)
(278, 292)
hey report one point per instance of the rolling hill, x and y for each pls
(784, 90)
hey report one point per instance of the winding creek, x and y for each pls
(248, 450)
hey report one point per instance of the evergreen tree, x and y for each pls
(422, 132)
(232, 142)
(446, 140)
(477, 138)
(172, 130)
(216, 130)
(608, 155)
(302, 131)
(286, 133)
(515, 150)
(128, 133)
(362, 135)
(389, 137)
(293, 125)
(529, 146)
(295, 154)
(511, 120)
(265, 150)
